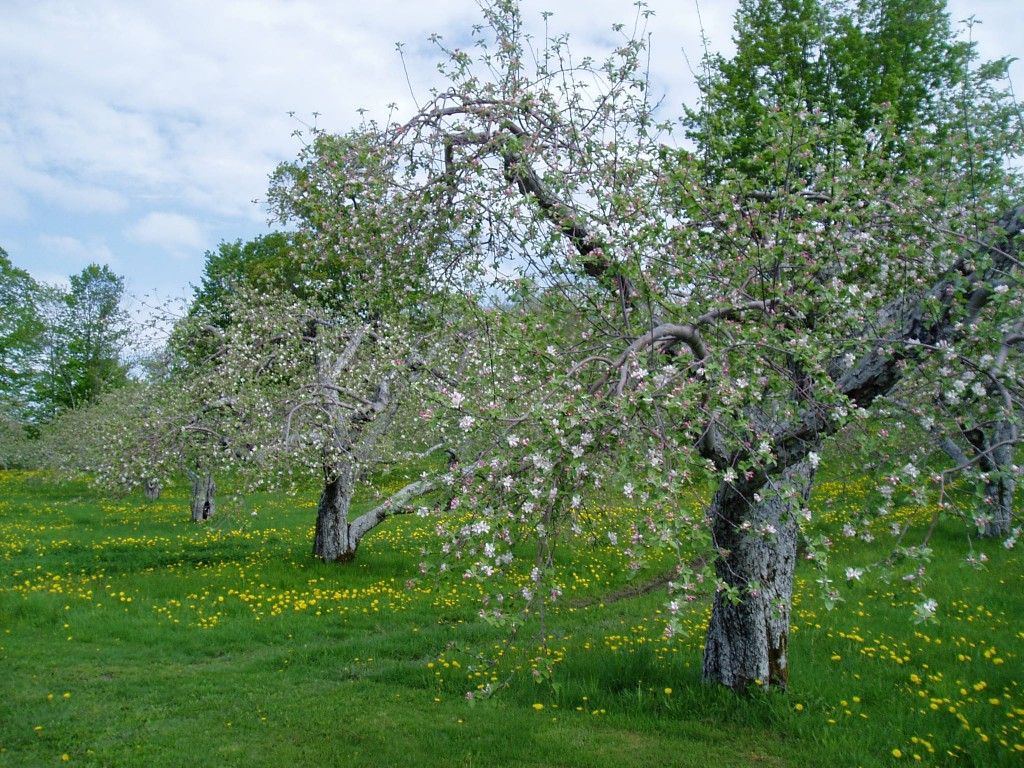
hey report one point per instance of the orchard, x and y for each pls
(556, 428)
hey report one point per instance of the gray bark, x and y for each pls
(151, 490)
(203, 497)
(355, 435)
(333, 541)
(394, 505)
(336, 538)
(995, 457)
(748, 641)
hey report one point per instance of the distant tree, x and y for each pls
(16, 450)
(21, 336)
(143, 435)
(262, 263)
(888, 66)
(84, 340)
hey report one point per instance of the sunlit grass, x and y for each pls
(133, 637)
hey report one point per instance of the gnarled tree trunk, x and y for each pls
(151, 489)
(334, 534)
(747, 642)
(996, 459)
(333, 541)
(203, 501)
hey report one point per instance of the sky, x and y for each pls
(141, 134)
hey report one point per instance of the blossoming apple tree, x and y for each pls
(727, 327)
(312, 381)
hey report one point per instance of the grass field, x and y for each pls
(131, 637)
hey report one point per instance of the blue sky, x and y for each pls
(138, 134)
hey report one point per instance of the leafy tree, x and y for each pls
(887, 67)
(263, 263)
(21, 336)
(300, 351)
(16, 449)
(142, 435)
(84, 340)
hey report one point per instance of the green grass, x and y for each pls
(131, 637)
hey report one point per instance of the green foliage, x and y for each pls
(888, 68)
(21, 336)
(370, 241)
(59, 349)
(16, 448)
(900, 56)
(86, 332)
(263, 263)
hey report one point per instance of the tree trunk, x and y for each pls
(203, 502)
(334, 541)
(997, 503)
(995, 510)
(151, 489)
(747, 641)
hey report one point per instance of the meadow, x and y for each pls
(132, 637)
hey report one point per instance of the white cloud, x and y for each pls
(187, 102)
(50, 278)
(76, 253)
(170, 231)
(13, 205)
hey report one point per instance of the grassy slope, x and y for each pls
(133, 638)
